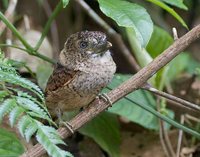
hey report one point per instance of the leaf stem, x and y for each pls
(167, 119)
(37, 54)
(15, 31)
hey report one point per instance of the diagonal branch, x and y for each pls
(135, 82)
(170, 97)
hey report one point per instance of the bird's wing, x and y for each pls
(60, 77)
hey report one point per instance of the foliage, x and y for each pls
(129, 15)
(10, 144)
(104, 129)
(132, 111)
(24, 109)
(143, 102)
(170, 10)
(177, 3)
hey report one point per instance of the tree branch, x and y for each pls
(135, 82)
(170, 97)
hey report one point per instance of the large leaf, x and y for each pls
(165, 40)
(131, 15)
(159, 36)
(177, 3)
(9, 144)
(130, 110)
(177, 66)
(104, 129)
(169, 10)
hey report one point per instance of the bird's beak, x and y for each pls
(104, 47)
(109, 45)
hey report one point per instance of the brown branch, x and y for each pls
(123, 48)
(135, 82)
(180, 138)
(170, 97)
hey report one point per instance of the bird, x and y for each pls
(85, 66)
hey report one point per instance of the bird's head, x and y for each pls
(86, 44)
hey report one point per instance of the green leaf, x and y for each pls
(165, 40)
(3, 94)
(17, 80)
(168, 119)
(7, 68)
(31, 98)
(130, 110)
(30, 105)
(170, 10)
(159, 36)
(177, 3)
(15, 114)
(177, 65)
(162, 116)
(33, 109)
(104, 130)
(6, 107)
(30, 130)
(131, 15)
(44, 136)
(23, 124)
(18, 65)
(65, 3)
(9, 144)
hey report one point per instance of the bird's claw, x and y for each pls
(68, 126)
(105, 98)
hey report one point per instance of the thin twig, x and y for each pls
(54, 29)
(26, 23)
(180, 137)
(192, 118)
(172, 98)
(30, 53)
(29, 48)
(164, 138)
(9, 13)
(123, 48)
(161, 132)
(16, 32)
(135, 82)
(48, 24)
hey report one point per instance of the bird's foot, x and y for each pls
(105, 98)
(67, 125)
(63, 123)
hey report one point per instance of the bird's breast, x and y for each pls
(94, 76)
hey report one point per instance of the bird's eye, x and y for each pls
(83, 44)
